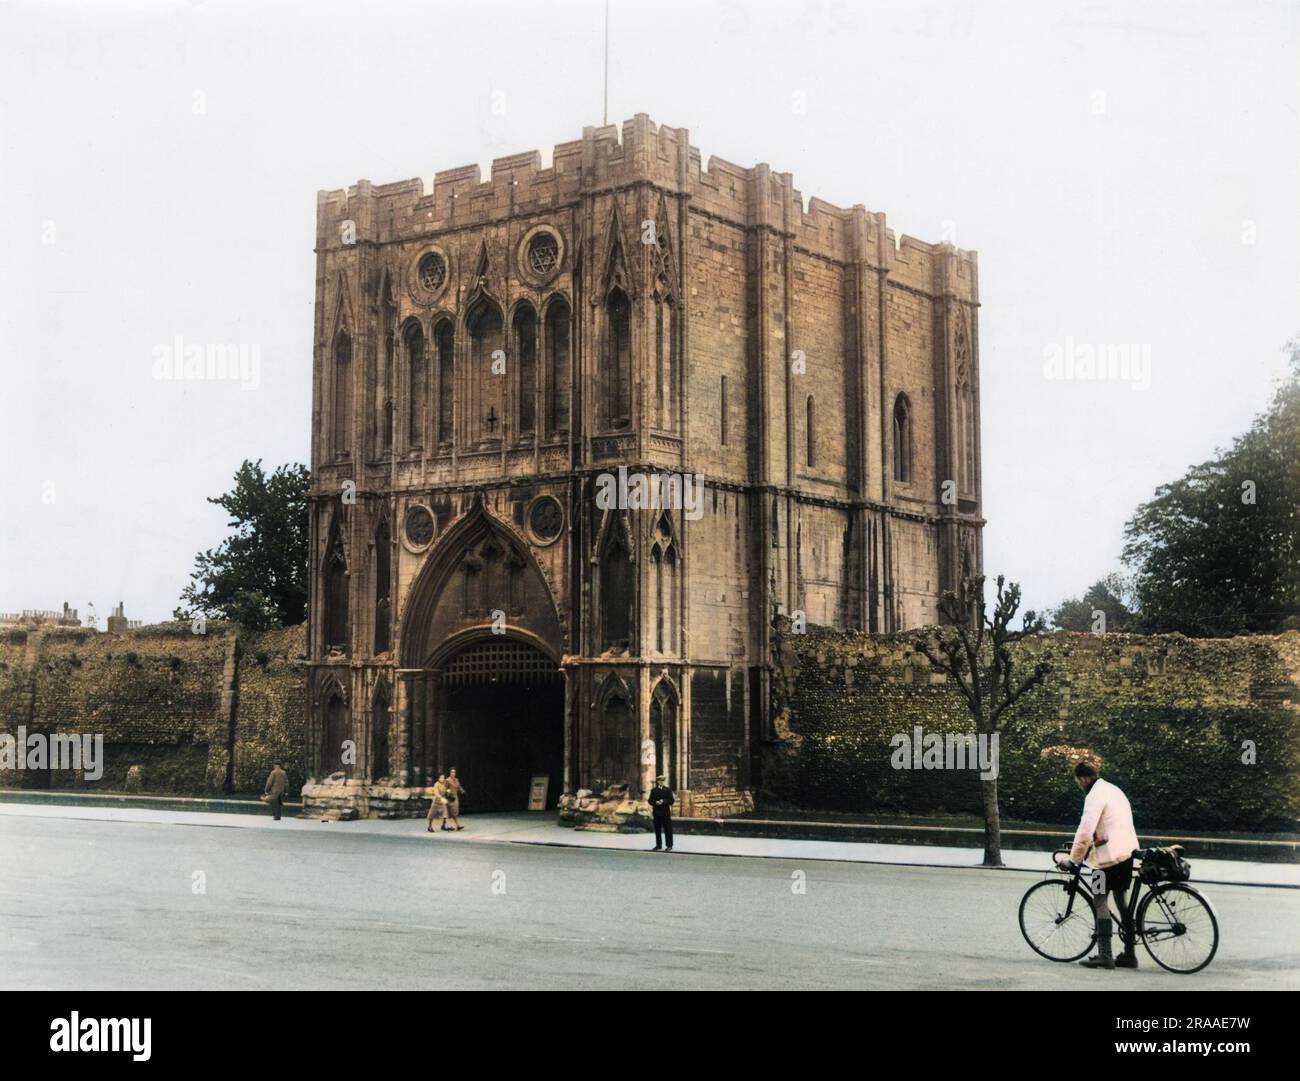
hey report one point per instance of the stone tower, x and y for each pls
(489, 353)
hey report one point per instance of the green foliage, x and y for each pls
(258, 576)
(1217, 552)
(1111, 596)
(1168, 718)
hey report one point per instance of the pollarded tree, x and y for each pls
(973, 648)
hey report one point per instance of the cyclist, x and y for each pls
(1107, 829)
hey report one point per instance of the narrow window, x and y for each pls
(383, 588)
(557, 345)
(342, 393)
(966, 437)
(414, 342)
(615, 589)
(380, 718)
(336, 593)
(902, 441)
(618, 361)
(485, 334)
(526, 362)
(722, 409)
(444, 337)
(810, 433)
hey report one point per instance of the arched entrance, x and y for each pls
(502, 723)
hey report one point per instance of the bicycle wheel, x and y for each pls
(1048, 930)
(1178, 928)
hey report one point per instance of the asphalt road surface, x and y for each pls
(108, 905)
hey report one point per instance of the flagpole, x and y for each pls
(605, 121)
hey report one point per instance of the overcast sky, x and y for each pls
(1127, 173)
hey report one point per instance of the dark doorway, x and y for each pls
(335, 734)
(503, 710)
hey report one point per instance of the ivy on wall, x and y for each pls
(1201, 734)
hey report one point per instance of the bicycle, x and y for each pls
(1175, 922)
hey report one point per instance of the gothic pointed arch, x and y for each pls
(383, 586)
(482, 386)
(415, 356)
(615, 584)
(665, 584)
(336, 731)
(614, 758)
(335, 575)
(478, 566)
(381, 725)
(444, 358)
(667, 333)
(523, 341)
(662, 253)
(616, 361)
(481, 281)
(385, 360)
(665, 706)
(341, 374)
(965, 426)
(902, 440)
(557, 322)
(617, 273)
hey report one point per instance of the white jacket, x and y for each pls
(1107, 825)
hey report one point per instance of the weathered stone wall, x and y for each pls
(173, 703)
(1168, 716)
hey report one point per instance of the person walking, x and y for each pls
(661, 801)
(438, 804)
(1107, 838)
(454, 790)
(277, 784)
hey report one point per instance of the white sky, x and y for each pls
(1103, 158)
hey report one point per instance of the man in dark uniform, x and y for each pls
(661, 800)
(276, 786)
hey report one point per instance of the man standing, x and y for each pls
(1107, 829)
(452, 790)
(661, 801)
(276, 786)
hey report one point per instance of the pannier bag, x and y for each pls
(1164, 865)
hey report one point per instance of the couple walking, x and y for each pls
(446, 801)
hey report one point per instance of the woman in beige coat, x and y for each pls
(438, 805)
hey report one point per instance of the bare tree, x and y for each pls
(974, 650)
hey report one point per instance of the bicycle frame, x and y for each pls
(1078, 884)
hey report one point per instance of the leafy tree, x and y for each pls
(258, 575)
(974, 650)
(1112, 596)
(1217, 552)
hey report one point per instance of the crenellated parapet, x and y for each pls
(642, 153)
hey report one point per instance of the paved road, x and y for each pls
(106, 905)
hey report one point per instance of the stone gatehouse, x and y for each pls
(487, 350)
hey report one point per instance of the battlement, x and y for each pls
(640, 152)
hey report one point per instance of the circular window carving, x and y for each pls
(543, 254)
(546, 519)
(540, 254)
(433, 272)
(419, 526)
(428, 275)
